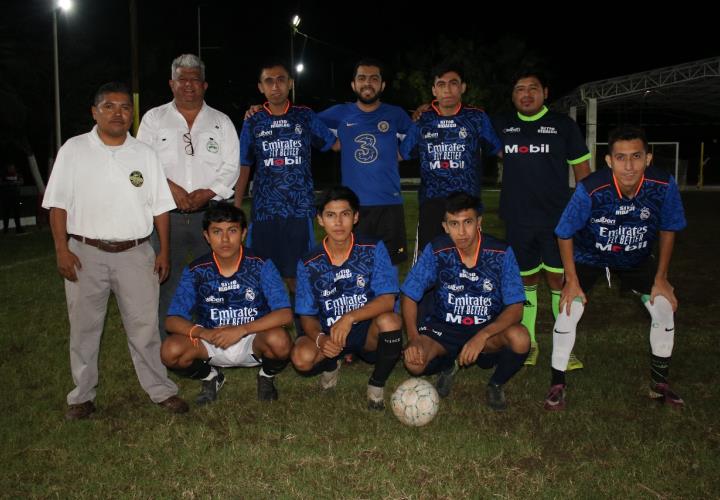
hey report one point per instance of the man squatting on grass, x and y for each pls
(229, 310)
(346, 290)
(609, 228)
(478, 304)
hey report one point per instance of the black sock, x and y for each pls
(388, 353)
(198, 370)
(558, 377)
(659, 369)
(326, 365)
(272, 367)
(509, 364)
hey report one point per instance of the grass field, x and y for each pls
(612, 442)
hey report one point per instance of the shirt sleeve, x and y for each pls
(331, 118)
(322, 136)
(147, 131)
(162, 200)
(247, 144)
(512, 287)
(422, 275)
(229, 170)
(408, 147)
(404, 123)
(577, 151)
(273, 287)
(184, 301)
(672, 214)
(575, 215)
(384, 278)
(59, 191)
(304, 300)
(488, 134)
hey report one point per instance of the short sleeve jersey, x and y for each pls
(212, 300)
(280, 148)
(537, 151)
(368, 157)
(450, 150)
(466, 298)
(328, 292)
(611, 230)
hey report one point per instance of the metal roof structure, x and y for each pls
(683, 94)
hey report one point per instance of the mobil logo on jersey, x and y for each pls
(524, 149)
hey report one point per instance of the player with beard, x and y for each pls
(369, 131)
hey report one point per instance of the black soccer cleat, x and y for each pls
(210, 388)
(266, 390)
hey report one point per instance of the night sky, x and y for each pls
(238, 36)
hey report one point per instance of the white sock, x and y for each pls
(211, 375)
(564, 333)
(662, 326)
(263, 374)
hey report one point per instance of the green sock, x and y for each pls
(530, 310)
(556, 302)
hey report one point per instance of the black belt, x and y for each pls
(110, 246)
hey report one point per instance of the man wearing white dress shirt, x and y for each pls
(106, 192)
(199, 151)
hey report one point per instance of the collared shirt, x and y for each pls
(109, 192)
(213, 142)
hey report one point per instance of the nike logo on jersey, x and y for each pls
(348, 124)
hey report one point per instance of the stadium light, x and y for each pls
(65, 6)
(294, 23)
(300, 68)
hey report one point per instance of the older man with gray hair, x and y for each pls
(199, 151)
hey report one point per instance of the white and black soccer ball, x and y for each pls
(415, 402)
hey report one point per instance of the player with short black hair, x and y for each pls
(229, 310)
(346, 289)
(540, 146)
(369, 132)
(609, 228)
(477, 304)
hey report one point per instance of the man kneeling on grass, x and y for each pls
(229, 310)
(478, 304)
(609, 228)
(346, 289)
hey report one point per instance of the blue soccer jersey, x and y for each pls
(450, 150)
(609, 230)
(369, 151)
(280, 148)
(207, 298)
(328, 292)
(466, 298)
(537, 152)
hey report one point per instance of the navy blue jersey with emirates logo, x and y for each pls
(610, 230)
(537, 151)
(328, 292)
(280, 148)
(466, 298)
(206, 297)
(450, 150)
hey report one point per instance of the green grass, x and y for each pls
(611, 442)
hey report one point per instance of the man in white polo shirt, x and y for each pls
(104, 195)
(199, 151)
